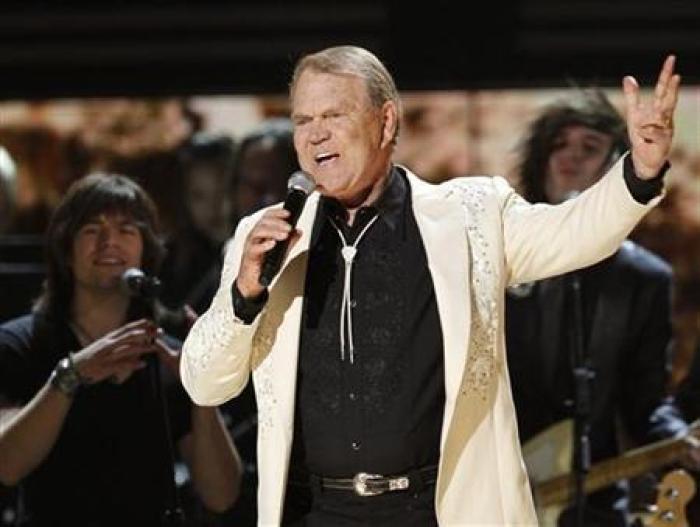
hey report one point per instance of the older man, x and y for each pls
(377, 354)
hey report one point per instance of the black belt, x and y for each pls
(364, 484)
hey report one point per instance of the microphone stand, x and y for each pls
(582, 377)
(173, 515)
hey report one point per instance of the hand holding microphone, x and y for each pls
(268, 241)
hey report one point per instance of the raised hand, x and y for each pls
(650, 123)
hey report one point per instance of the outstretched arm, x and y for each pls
(544, 240)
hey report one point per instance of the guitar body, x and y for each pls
(548, 456)
(548, 461)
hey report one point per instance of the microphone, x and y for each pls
(139, 284)
(299, 187)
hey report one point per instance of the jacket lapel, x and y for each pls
(441, 224)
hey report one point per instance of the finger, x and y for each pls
(257, 250)
(276, 212)
(162, 347)
(271, 228)
(191, 315)
(136, 336)
(631, 91)
(142, 324)
(670, 100)
(106, 346)
(664, 77)
(127, 351)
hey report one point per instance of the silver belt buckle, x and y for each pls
(359, 482)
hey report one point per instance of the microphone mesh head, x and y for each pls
(131, 274)
(300, 181)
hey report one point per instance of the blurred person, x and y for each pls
(193, 256)
(266, 158)
(377, 353)
(625, 305)
(8, 190)
(82, 430)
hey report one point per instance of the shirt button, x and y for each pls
(356, 446)
(352, 396)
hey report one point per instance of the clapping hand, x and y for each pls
(117, 354)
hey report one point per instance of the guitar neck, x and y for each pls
(561, 488)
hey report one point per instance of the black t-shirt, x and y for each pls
(111, 462)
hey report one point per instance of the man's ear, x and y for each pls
(390, 116)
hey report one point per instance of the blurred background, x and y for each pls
(177, 94)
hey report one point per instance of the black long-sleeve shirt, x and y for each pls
(382, 413)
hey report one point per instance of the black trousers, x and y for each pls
(311, 506)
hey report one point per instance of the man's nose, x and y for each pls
(107, 237)
(575, 152)
(319, 132)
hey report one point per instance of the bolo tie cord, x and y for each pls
(348, 251)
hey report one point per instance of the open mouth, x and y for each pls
(109, 261)
(325, 158)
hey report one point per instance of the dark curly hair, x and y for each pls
(588, 107)
(85, 199)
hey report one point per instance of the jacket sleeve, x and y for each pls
(544, 240)
(215, 362)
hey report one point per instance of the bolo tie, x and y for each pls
(349, 251)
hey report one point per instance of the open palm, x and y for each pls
(650, 123)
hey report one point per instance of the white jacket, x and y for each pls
(479, 236)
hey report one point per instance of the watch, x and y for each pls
(65, 376)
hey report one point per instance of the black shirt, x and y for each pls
(107, 466)
(382, 413)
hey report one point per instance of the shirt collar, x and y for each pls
(389, 205)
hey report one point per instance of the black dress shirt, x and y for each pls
(382, 413)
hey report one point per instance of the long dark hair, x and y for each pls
(588, 107)
(85, 199)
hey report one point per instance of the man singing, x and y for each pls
(377, 354)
